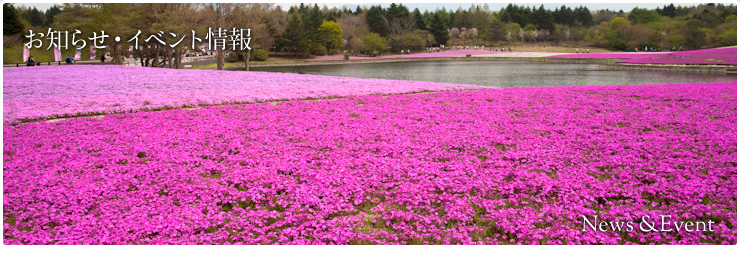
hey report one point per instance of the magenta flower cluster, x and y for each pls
(718, 56)
(63, 91)
(499, 166)
(608, 55)
(455, 53)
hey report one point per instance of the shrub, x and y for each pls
(318, 50)
(258, 55)
(233, 57)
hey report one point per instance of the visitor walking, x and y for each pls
(30, 62)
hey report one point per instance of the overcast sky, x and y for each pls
(455, 6)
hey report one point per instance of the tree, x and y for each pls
(694, 34)
(34, 17)
(255, 16)
(641, 15)
(616, 23)
(294, 38)
(11, 22)
(374, 42)
(439, 31)
(669, 11)
(50, 13)
(353, 25)
(312, 19)
(414, 40)
(564, 16)
(583, 16)
(419, 19)
(356, 45)
(497, 30)
(116, 19)
(543, 19)
(728, 37)
(331, 35)
(221, 15)
(397, 27)
(375, 20)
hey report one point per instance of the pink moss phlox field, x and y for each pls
(62, 91)
(717, 56)
(455, 53)
(608, 55)
(500, 166)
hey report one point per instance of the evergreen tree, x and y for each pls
(34, 17)
(397, 12)
(11, 22)
(583, 16)
(50, 13)
(439, 31)
(420, 24)
(311, 20)
(375, 22)
(497, 31)
(544, 19)
(294, 39)
(564, 15)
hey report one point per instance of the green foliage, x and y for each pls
(50, 13)
(419, 20)
(617, 41)
(11, 22)
(616, 23)
(331, 35)
(14, 54)
(497, 31)
(374, 42)
(234, 57)
(414, 40)
(675, 40)
(641, 15)
(294, 39)
(731, 19)
(33, 16)
(729, 37)
(319, 50)
(258, 55)
(375, 22)
(543, 19)
(439, 31)
(583, 16)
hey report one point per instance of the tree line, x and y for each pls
(305, 30)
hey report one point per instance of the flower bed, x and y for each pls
(718, 56)
(608, 55)
(62, 91)
(504, 166)
(455, 53)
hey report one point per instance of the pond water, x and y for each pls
(502, 73)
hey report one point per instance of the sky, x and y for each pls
(454, 6)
